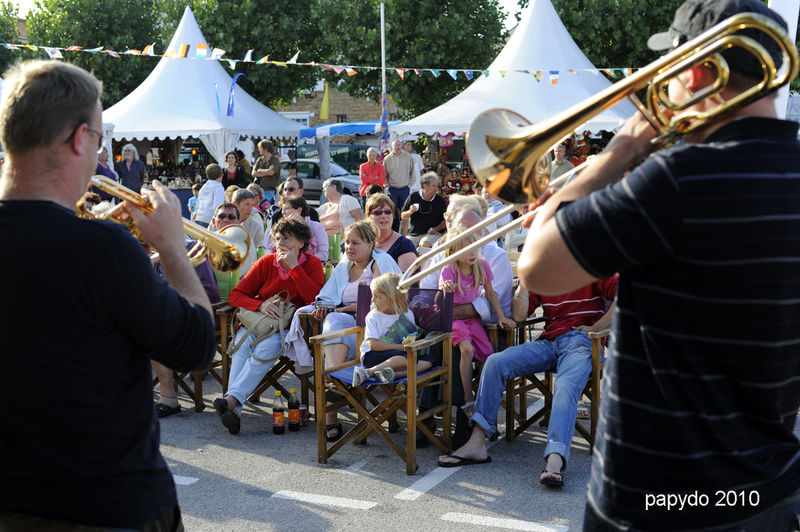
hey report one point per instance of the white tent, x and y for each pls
(189, 98)
(793, 107)
(540, 42)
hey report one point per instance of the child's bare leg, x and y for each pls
(467, 352)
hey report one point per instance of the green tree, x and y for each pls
(8, 33)
(444, 34)
(91, 23)
(279, 28)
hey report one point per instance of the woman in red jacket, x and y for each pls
(289, 269)
(371, 172)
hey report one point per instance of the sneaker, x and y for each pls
(384, 375)
(359, 375)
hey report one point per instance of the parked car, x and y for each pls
(308, 169)
(348, 156)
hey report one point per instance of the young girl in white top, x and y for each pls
(390, 319)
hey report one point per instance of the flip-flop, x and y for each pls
(464, 461)
(164, 410)
(552, 482)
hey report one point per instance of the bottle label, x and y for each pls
(278, 418)
(294, 416)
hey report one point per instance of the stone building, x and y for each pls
(342, 107)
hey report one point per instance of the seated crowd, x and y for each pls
(290, 248)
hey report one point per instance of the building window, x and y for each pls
(341, 118)
(394, 116)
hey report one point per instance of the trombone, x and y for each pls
(226, 250)
(510, 157)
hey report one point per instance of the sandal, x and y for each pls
(583, 410)
(551, 481)
(164, 410)
(384, 375)
(334, 426)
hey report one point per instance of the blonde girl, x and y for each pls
(466, 277)
(384, 360)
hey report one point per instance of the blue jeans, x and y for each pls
(399, 196)
(246, 371)
(570, 354)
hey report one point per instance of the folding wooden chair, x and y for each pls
(516, 404)
(433, 311)
(191, 382)
(283, 365)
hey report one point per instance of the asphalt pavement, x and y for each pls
(260, 481)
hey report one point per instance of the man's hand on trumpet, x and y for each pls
(163, 228)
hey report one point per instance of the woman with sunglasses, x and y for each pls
(380, 209)
(363, 262)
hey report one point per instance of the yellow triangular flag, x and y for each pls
(323, 110)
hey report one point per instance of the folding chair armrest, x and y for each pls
(530, 321)
(599, 334)
(425, 342)
(320, 338)
(223, 307)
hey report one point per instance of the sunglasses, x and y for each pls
(387, 212)
(229, 216)
(290, 189)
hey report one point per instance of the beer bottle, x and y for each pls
(278, 414)
(294, 411)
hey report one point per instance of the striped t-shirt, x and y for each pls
(702, 386)
(583, 306)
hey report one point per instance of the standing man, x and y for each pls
(560, 164)
(702, 385)
(399, 174)
(267, 168)
(424, 212)
(83, 447)
(408, 146)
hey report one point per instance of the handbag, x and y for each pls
(263, 326)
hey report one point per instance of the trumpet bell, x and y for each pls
(229, 257)
(226, 250)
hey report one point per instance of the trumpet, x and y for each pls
(225, 250)
(509, 156)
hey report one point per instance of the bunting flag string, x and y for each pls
(204, 52)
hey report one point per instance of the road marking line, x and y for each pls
(512, 524)
(184, 481)
(429, 481)
(355, 469)
(325, 499)
(426, 483)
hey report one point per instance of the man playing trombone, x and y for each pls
(80, 439)
(702, 385)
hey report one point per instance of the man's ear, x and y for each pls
(698, 77)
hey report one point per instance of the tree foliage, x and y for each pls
(91, 23)
(278, 28)
(8, 33)
(614, 34)
(444, 34)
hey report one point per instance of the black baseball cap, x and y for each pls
(696, 16)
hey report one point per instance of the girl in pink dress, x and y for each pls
(465, 278)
